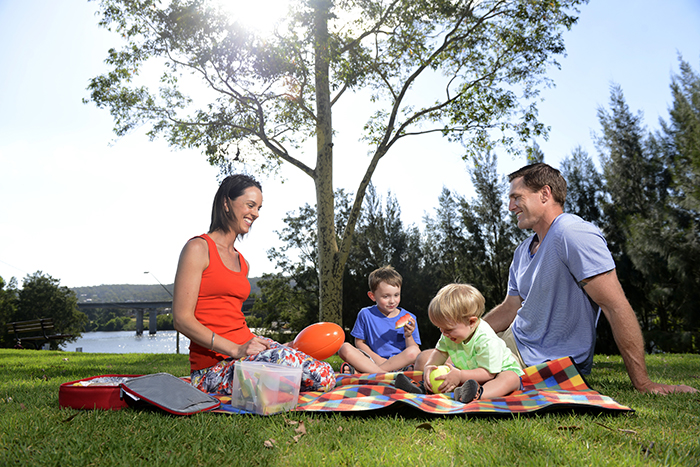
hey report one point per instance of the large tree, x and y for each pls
(382, 239)
(473, 240)
(493, 231)
(665, 245)
(291, 295)
(8, 306)
(584, 186)
(682, 135)
(42, 296)
(630, 190)
(485, 61)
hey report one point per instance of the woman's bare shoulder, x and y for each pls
(196, 249)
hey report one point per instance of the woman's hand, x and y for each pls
(252, 347)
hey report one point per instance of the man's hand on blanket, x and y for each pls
(665, 389)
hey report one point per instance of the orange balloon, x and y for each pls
(320, 340)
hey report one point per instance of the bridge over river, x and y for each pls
(138, 307)
(153, 307)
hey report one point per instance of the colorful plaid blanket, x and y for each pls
(554, 385)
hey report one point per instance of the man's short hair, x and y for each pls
(384, 274)
(535, 176)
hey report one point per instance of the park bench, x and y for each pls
(42, 329)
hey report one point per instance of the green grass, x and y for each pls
(664, 430)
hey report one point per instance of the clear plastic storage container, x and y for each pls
(265, 388)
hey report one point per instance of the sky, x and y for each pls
(87, 209)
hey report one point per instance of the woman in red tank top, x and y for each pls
(211, 285)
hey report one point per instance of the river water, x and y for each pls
(129, 342)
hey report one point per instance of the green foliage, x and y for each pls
(492, 231)
(631, 191)
(41, 296)
(115, 324)
(472, 241)
(486, 62)
(290, 306)
(652, 213)
(165, 322)
(8, 307)
(291, 296)
(584, 186)
(382, 239)
(485, 49)
(123, 293)
(673, 238)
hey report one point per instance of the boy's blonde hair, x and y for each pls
(384, 274)
(456, 303)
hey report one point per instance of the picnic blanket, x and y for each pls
(554, 385)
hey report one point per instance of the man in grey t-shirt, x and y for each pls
(551, 307)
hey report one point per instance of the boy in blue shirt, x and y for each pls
(386, 336)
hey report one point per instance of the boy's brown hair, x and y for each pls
(384, 274)
(456, 303)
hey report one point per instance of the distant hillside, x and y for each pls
(128, 292)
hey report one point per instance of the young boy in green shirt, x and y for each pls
(482, 366)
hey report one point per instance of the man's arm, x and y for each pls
(501, 316)
(605, 290)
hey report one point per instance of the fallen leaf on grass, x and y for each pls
(425, 426)
(301, 430)
(270, 443)
(70, 418)
(290, 422)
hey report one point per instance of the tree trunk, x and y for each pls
(330, 272)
